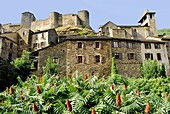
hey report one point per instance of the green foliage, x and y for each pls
(162, 31)
(82, 33)
(50, 68)
(49, 93)
(151, 69)
(10, 71)
(158, 86)
(113, 68)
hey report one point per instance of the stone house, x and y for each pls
(42, 39)
(8, 49)
(146, 27)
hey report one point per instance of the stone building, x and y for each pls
(8, 49)
(42, 39)
(146, 27)
(55, 20)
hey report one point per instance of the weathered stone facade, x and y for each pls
(56, 52)
(87, 52)
(42, 39)
(127, 54)
(8, 49)
(146, 27)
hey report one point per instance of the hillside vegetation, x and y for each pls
(162, 31)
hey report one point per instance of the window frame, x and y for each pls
(149, 56)
(157, 46)
(148, 46)
(159, 58)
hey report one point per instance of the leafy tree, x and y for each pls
(50, 68)
(113, 68)
(22, 65)
(151, 69)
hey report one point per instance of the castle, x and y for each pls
(129, 45)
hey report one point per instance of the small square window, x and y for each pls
(130, 45)
(157, 46)
(97, 45)
(80, 45)
(131, 56)
(116, 44)
(80, 59)
(149, 56)
(147, 45)
(159, 56)
(117, 55)
(97, 58)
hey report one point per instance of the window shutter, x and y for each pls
(136, 57)
(76, 45)
(94, 59)
(94, 46)
(76, 60)
(120, 55)
(100, 45)
(128, 56)
(102, 59)
(83, 45)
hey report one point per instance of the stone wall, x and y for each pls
(125, 66)
(8, 48)
(88, 52)
(59, 51)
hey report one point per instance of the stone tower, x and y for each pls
(148, 19)
(54, 17)
(26, 20)
(84, 17)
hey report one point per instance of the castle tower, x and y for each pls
(54, 18)
(84, 17)
(26, 20)
(148, 19)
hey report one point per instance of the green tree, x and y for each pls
(22, 65)
(50, 68)
(113, 68)
(151, 69)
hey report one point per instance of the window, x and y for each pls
(97, 58)
(80, 45)
(117, 55)
(130, 45)
(157, 46)
(147, 45)
(55, 60)
(35, 45)
(97, 45)
(80, 59)
(42, 35)
(158, 56)
(116, 44)
(42, 44)
(11, 45)
(36, 36)
(10, 57)
(134, 33)
(131, 56)
(151, 16)
(20, 42)
(149, 56)
(24, 33)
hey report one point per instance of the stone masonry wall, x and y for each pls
(89, 66)
(59, 51)
(127, 67)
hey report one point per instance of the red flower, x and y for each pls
(68, 105)
(138, 92)
(93, 111)
(125, 87)
(11, 90)
(35, 107)
(85, 78)
(118, 100)
(38, 89)
(147, 108)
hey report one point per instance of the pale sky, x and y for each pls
(120, 12)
